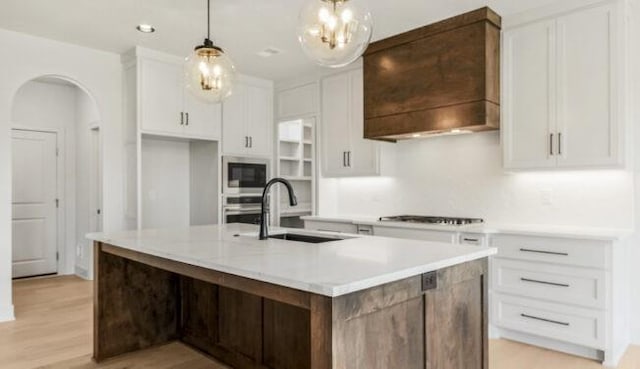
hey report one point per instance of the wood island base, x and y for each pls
(436, 320)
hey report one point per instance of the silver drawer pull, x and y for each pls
(544, 282)
(471, 239)
(545, 252)
(544, 320)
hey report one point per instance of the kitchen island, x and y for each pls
(352, 303)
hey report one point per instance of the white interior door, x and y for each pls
(34, 220)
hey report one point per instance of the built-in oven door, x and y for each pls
(241, 209)
(244, 175)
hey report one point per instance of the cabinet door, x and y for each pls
(362, 154)
(587, 119)
(259, 102)
(204, 119)
(528, 96)
(299, 101)
(335, 125)
(160, 96)
(234, 133)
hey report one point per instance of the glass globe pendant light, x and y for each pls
(335, 33)
(209, 72)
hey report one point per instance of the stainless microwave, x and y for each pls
(244, 175)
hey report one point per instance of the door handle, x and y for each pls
(246, 141)
(250, 141)
(181, 118)
(344, 159)
(349, 159)
(560, 143)
(551, 144)
(544, 282)
(545, 252)
(187, 116)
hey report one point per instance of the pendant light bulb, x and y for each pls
(209, 72)
(335, 33)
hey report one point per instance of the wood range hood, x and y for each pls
(437, 79)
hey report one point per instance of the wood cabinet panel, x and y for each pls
(240, 322)
(429, 78)
(287, 336)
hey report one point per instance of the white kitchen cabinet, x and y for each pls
(331, 226)
(562, 90)
(166, 107)
(344, 150)
(248, 119)
(416, 234)
(298, 101)
(566, 294)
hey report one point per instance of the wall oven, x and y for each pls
(244, 175)
(241, 208)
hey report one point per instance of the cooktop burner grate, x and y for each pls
(430, 220)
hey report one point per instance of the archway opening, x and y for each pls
(56, 178)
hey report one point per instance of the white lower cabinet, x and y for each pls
(340, 227)
(560, 293)
(415, 234)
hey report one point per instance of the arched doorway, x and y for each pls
(56, 177)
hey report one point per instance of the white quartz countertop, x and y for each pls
(592, 233)
(332, 269)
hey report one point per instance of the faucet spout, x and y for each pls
(293, 201)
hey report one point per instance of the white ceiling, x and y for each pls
(241, 27)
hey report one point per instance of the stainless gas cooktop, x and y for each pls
(430, 220)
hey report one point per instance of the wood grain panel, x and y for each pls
(456, 320)
(271, 291)
(287, 336)
(135, 306)
(240, 323)
(435, 78)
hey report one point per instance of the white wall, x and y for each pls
(25, 58)
(463, 176)
(87, 118)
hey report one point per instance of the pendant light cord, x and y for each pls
(208, 19)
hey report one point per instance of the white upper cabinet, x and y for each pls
(248, 119)
(166, 107)
(562, 103)
(160, 96)
(298, 101)
(344, 150)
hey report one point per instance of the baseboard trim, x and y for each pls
(7, 313)
(82, 273)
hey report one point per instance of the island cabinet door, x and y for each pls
(433, 321)
(456, 317)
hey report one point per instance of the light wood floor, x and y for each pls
(53, 330)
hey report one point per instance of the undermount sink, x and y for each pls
(304, 238)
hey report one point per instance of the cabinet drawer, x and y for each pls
(558, 283)
(415, 234)
(570, 324)
(587, 253)
(330, 226)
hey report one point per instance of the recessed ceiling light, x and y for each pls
(145, 28)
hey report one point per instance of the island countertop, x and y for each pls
(331, 269)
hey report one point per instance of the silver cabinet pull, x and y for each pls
(544, 282)
(560, 143)
(349, 159)
(246, 141)
(471, 239)
(181, 118)
(344, 159)
(187, 118)
(551, 144)
(250, 141)
(545, 252)
(544, 319)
